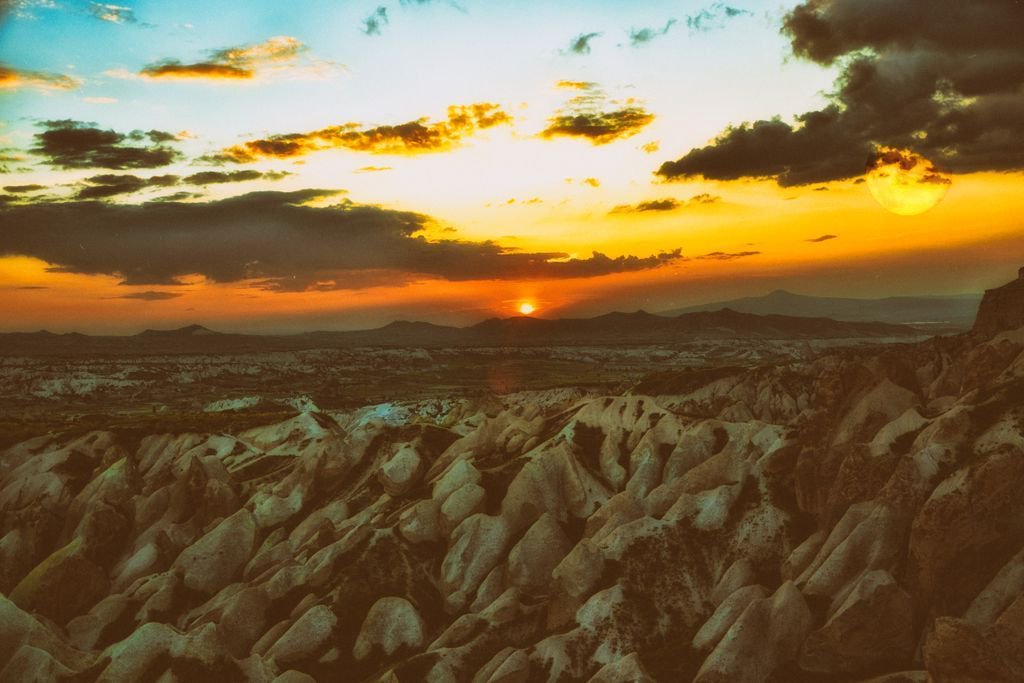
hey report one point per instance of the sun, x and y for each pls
(904, 182)
(526, 308)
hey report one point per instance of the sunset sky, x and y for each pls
(282, 166)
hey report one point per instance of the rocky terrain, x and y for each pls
(853, 515)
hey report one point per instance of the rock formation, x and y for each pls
(854, 517)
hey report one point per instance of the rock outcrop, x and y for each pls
(1002, 308)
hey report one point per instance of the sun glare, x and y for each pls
(526, 308)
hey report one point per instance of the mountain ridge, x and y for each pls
(954, 312)
(639, 327)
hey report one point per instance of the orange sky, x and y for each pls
(500, 130)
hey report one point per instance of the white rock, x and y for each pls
(390, 624)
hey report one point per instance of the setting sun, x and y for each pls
(526, 308)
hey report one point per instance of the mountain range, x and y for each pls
(613, 328)
(944, 312)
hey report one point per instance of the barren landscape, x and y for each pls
(512, 341)
(835, 514)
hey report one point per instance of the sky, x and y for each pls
(271, 167)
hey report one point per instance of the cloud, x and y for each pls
(944, 79)
(114, 14)
(372, 24)
(885, 160)
(241, 63)
(580, 45)
(177, 197)
(714, 17)
(726, 256)
(110, 185)
(823, 238)
(23, 188)
(576, 85)
(592, 116)
(100, 100)
(638, 37)
(667, 204)
(216, 177)
(415, 137)
(150, 296)
(13, 79)
(23, 8)
(658, 205)
(271, 238)
(74, 144)
(373, 169)
(600, 128)
(593, 182)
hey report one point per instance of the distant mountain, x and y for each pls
(190, 331)
(645, 328)
(949, 312)
(613, 328)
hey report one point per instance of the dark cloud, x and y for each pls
(150, 296)
(885, 160)
(592, 116)
(599, 127)
(667, 204)
(23, 188)
(12, 78)
(74, 144)
(177, 197)
(944, 79)
(233, 63)
(638, 37)
(110, 185)
(823, 238)
(652, 205)
(216, 177)
(705, 198)
(270, 237)
(726, 256)
(378, 19)
(714, 17)
(580, 45)
(415, 137)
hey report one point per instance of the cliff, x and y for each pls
(1002, 308)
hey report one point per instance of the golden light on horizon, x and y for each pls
(906, 183)
(526, 308)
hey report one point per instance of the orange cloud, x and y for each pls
(242, 62)
(414, 137)
(11, 78)
(592, 116)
